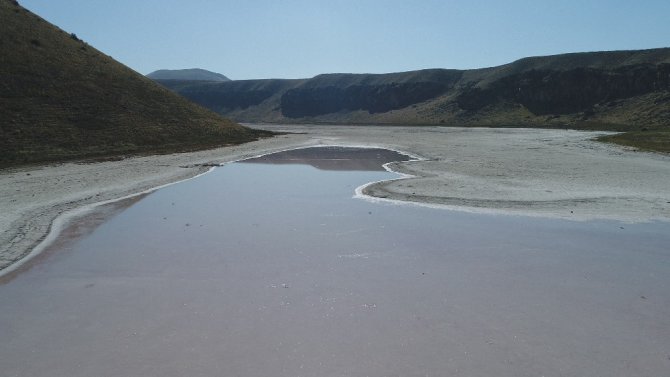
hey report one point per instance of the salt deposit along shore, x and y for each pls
(549, 173)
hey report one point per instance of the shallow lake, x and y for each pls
(271, 268)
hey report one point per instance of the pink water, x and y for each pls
(261, 269)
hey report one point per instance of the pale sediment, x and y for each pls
(554, 173)
(31, 198)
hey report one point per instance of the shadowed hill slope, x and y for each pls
(332, 93)
(235, 97)
(60, 99)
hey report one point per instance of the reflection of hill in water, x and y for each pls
(334, 158)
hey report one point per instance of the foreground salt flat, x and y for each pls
(549, 173)
(246, 272)
(553, 173)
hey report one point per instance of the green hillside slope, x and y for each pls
(61, 99)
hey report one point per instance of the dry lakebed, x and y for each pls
(486, 252)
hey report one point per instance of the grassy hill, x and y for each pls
(61, 99)
(614, 90)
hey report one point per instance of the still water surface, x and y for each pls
(271, 268)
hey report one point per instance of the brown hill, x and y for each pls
(61, 98)
(612, 90)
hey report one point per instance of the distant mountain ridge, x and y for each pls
(192, 74)
(616, 90)
(61, 99)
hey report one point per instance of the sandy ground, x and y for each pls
(552, 173)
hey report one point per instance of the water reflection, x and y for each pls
(334, 158)
(262, 269)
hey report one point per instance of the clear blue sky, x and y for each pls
(302, 38)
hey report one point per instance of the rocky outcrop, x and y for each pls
(545, 92)
(308, 102)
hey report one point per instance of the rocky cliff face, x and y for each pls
(309, 102)
(547, 92)
(337, 93)
(614, 90)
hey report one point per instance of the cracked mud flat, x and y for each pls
(549, 173)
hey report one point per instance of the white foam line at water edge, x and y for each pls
(360, 193)
(63, 219)
(412, 156)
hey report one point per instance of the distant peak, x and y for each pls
(192, 74)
